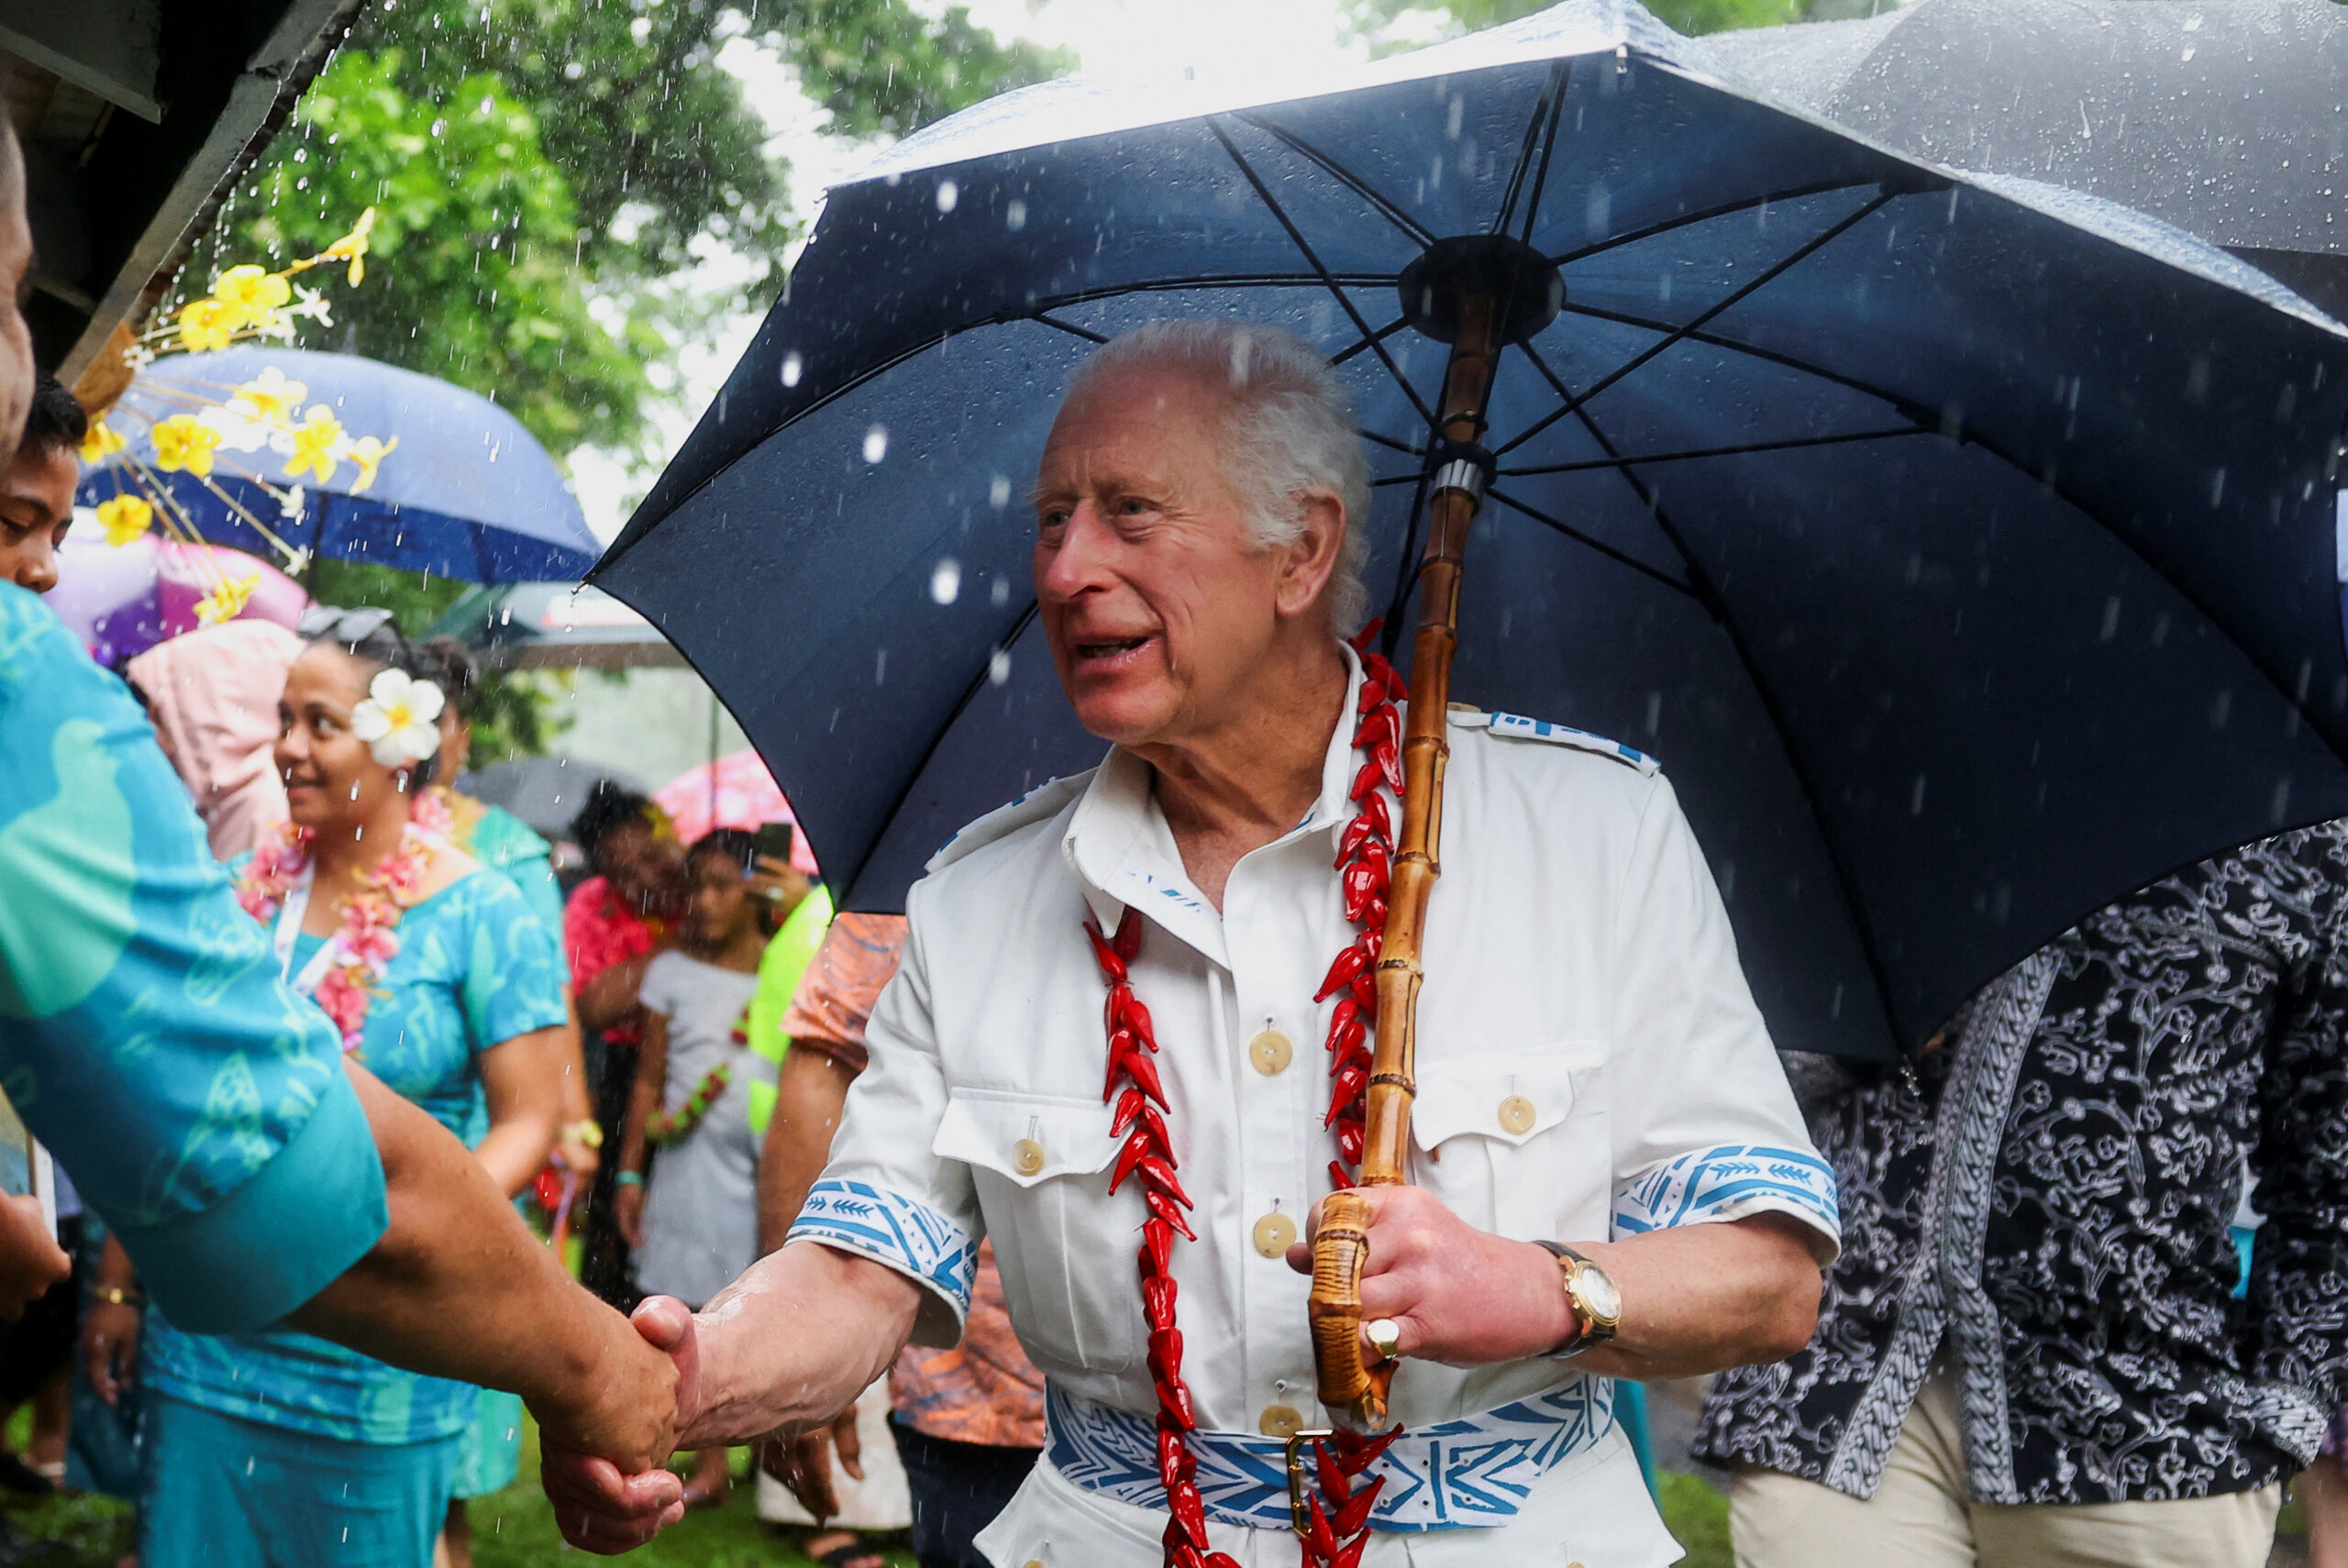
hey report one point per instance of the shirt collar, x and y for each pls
(1124, 854)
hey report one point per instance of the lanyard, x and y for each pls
(289, 929)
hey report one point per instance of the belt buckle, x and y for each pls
(1300, 1512)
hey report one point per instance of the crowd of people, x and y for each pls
(310, 1030)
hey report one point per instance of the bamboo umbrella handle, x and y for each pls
(1347, 1386)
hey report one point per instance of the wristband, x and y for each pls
(628, 1179)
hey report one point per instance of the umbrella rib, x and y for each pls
(1548, 150)
(2182, 587)
(1601, 546)
(1726, 209)
(1768, 275)
(1390, 211)
(1312, 258)
(1790, 444)
(1552, 93)
(978, 683)
(1070, 327)
(1709, 594)
(1389, 442)
(1381, 335)
(1405, 572)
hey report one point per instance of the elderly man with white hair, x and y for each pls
(1612, 1179)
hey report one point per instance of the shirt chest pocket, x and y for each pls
(1517, 1142)
(1040, 1165)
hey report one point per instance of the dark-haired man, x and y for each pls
(37, 487)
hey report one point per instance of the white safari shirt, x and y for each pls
(1590, 1065)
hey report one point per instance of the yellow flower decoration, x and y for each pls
(271, 396)
(367, 452)
(182, 443)
(352, 246)
(314, 444)
(251, 295)
(101, 442)
(228, 599)
(207, 323)
(126, 518)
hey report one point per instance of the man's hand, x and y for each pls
(30, 1259)
(1462, 1297)
(627, 1211)
(110, 1348)
(804, 1464)
(1695, 1298)
(598, 1506)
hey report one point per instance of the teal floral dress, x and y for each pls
(475, 967)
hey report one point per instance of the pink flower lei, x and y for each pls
(368, 939)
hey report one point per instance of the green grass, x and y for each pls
(1696, 1517)
(513, 1529)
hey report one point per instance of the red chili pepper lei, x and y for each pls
(1339, 1521)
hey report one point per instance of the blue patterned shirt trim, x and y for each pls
(1469, 1474)
(1728, 1183)
(890, 1228)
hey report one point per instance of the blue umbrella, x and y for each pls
(468, 493)
(1963, 546)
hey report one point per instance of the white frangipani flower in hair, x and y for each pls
(400, 719)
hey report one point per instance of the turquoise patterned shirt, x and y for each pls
(199, 1105)
(475, 969)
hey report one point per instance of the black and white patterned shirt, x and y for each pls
(2051, 1196)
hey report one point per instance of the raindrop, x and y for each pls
(999, 594)
(2186, 57)
(2282, 799)
(1014, 216)
(947, 194)
(1916, 798)
(1655, 713)
(1458, 112)
(790, 368)
(999, 666)
(2221, 708)
(1597, 208)
(2217, 487)
(2111, 620)
(880, 667)
(876, 443)
(946, 580)
(998, 493)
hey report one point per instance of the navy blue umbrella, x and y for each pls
(466, 493)
(1963, 546)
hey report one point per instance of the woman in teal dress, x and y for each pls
(275, 1450)
(491, 1455)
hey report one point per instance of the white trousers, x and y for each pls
(1920, 1518)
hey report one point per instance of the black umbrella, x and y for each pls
(2227, 119)
(1963, 546)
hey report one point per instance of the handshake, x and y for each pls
(605, 1455)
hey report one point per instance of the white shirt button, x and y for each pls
(1275, 1233)
(1271, 1053)
(1027, 1156)
(1281, 1422)
(1516, 1114)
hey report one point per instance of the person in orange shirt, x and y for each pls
(969, 1421)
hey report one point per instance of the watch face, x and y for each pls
(1605, 1301)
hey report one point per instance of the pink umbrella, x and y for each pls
(742, 792)
(124, 598)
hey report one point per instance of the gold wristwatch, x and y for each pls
(1596, 1301)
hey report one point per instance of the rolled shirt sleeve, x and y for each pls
(1705, 1126)
(146, 1035)
(885, 1195)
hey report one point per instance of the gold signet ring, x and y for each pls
(1385, 1336)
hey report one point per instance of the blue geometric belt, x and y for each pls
(1467, 1474)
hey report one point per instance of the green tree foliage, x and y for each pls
(544, 168)
(1691, 17)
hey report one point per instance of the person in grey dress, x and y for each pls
(697, 1226)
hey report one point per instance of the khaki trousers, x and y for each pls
(1920, 1518)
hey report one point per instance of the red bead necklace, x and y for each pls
(1339, 1516)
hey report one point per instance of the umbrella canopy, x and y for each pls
(546, 792)
(1963, 546)
(123, 599)
(734, 791)
(531, 626)
(468, 493)
(2225, 120)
